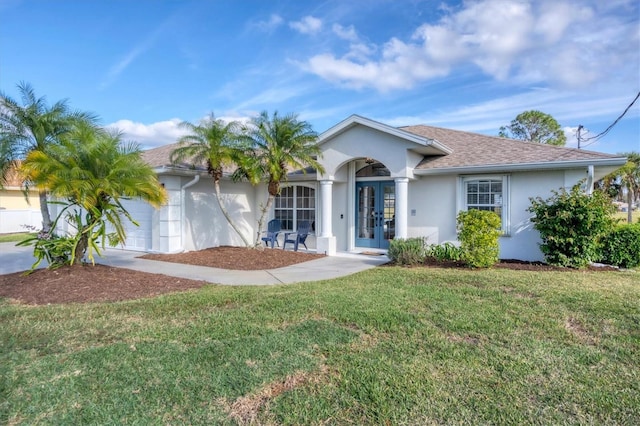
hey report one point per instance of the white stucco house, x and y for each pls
(380, 183)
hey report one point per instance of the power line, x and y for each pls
(599, 136)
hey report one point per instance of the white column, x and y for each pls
(326, 243)
(326, 187)
(402, 206)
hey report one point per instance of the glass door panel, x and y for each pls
(375, 214)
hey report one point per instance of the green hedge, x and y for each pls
(621, 246)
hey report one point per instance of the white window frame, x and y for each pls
(506, 197)
(294, 209)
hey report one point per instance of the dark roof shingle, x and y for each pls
(473, 149)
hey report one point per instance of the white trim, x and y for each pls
(557, 165)
(506, 197)
(590, 180)
(351, 206)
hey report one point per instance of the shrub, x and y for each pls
(571, 225)
(55, 249)
(409, 251)
(621, 246)
(444, 252)
(478, 231)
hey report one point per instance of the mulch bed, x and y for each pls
(99, 283)
(238, 258)
(83, 284)
(517, 265)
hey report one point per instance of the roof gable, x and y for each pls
(421, 144)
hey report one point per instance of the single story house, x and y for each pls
(380, 183)
(19, 210)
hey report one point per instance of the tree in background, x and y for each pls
(626, 177)
(30, 126)
(276, 145)
(535, 126)
(93, 171)
(215, 143)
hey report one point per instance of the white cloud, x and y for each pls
(269, 25)
(150, 135)
(307, 25)
(487, 117)
(163, 132)
(345, 33)
(144, 45)
(563, 44)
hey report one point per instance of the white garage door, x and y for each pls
(138, 237)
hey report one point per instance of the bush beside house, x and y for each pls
(621, 246)
(572, 225)
(479, 231)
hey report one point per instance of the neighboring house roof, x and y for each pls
(13, 179)
(473, 150)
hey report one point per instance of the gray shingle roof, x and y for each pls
(160, 156)
(468, 150)
(473, 149)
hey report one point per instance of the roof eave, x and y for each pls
(547, 165)
(172, 170)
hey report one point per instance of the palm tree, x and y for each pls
(214, 143)
(627, 177)
(278, 145)
(34, 125)
(630, 179)
(94, 170)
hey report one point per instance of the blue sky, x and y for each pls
(143, 66)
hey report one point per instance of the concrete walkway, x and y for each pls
(16, 259)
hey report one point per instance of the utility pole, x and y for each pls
(578, 134)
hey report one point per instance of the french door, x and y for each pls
(375, 214)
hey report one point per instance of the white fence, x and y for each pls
(20, 221)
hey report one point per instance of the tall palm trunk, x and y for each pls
(44, 209)
(630, 199)
(225, 213)
(263, 216)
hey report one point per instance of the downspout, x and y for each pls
(192, 182)
(589, 183)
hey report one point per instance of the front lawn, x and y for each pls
(15, 237)
(389, 345)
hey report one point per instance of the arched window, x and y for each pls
(373, 169)
(295, 203)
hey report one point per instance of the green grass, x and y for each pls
(635, 215)
(17, 237)
(390, 345)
